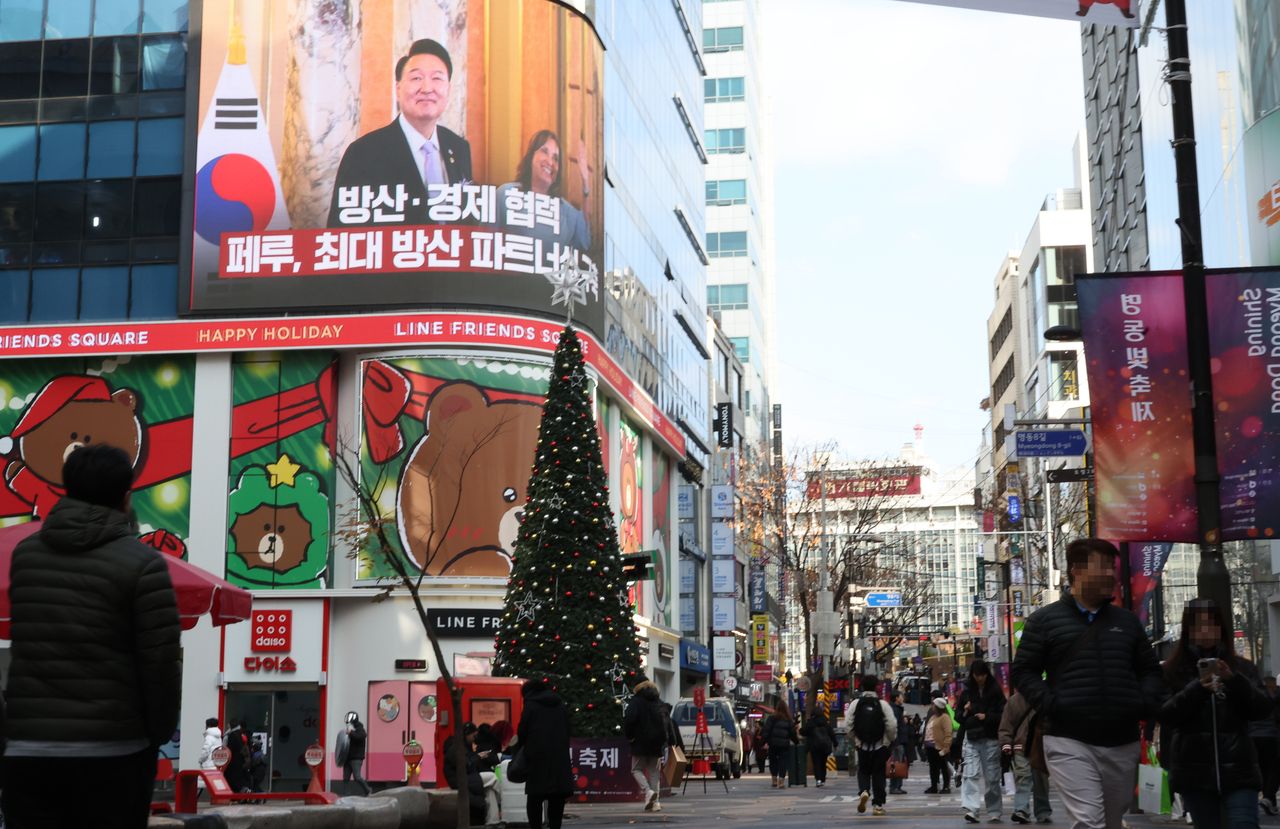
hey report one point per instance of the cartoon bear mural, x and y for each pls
(279, 526)
(461, 496)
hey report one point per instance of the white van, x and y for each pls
(722, 734)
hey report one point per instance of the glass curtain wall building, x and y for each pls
(91, 137)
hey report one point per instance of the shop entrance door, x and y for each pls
(286, 723)
(400, 711)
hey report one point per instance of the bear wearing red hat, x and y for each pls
(69, 412)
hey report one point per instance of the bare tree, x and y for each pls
(366, 528)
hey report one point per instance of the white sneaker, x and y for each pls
(650, 801)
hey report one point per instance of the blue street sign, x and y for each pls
(1015, 509)
(884, 600)
(1050, 443)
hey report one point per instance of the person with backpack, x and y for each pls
(818, 739)
(779, 733)
(875, 727)
(357, 738)
(1015, 740)
(1089, 670)
(645, 723)
(937, 743)
(982, 706)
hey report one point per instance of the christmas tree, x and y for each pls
(567, 615)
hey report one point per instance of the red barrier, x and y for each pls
(220, 793)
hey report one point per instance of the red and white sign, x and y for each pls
(730, 683)
(221, 756)
(269, 663)
(314, 755)
(272, 630)
(763, 673)
(412, 753)
(364, 331)
(699, 696)
(702, 722)
(867, 487)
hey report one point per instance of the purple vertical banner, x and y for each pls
(1002, 676)
(1135, 346)
(1244, 344)
(1146, 562)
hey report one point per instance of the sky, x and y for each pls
(913, 146)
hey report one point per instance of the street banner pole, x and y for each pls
(1212, 579)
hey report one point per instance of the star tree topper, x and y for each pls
(571, 282)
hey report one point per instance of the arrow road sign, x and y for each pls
(884, 600)
(1050, 443)
(1062, 476)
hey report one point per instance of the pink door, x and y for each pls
(388, 723)
(422, 715)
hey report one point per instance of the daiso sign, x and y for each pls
(272, 630)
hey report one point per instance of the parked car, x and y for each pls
(723, 733)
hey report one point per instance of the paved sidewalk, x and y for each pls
(751, 802)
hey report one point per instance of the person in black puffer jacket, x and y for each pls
(1090, 708)
(981, 705)
(96, 678)
(543, 739)
(1211, 760)
(482, 795)
(647, 725)
(818, 739)
(779, 733)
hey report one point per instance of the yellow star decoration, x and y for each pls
(282, 471)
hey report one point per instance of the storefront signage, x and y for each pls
(722, 501)
(269, 663)
(689, 545)
(763, 673)
(465, 622)
(299, 658)
(721, 538)
(723, 653)
(687, 579)
(695, 657)
(724, 425)
(343, 332)
(758, 601)
(891, 482)
(684, 502)
(760, 638)
(666, 651)
(411, 664)
(722, 575)
(688, 615)
(272, 630)
(722, 613)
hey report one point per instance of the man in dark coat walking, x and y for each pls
(357, 738)
(543, 739)
(1092, 706)
(96, 678)
(646, 725)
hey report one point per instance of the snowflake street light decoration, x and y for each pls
(571, 282)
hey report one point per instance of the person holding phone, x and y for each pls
(1212, 695)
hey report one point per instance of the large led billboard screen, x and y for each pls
(396, 152)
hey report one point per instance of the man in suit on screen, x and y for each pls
(406, 156)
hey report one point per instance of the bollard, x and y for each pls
(315, 758)
(412, 754)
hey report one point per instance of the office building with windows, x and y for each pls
(181, 231)
(739, 198)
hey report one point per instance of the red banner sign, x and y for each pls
(1135, 342)
(867, 487)
(364, 331)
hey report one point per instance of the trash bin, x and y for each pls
(797, 760)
